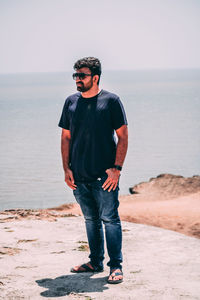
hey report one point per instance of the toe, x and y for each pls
(80, 268)
(117, 277)
(114, 277)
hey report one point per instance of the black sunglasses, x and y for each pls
(80, 75)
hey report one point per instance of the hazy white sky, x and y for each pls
(49, 35)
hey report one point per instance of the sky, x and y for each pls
(50, 35)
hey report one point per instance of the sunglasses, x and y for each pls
(80, 75)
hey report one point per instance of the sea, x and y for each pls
(163, 111)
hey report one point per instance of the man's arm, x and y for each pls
(65, 146)
(122, 146)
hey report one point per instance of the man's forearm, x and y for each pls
(121, 151)
(65, 146)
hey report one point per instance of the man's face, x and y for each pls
(84, 85)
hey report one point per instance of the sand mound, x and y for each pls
(167, 186)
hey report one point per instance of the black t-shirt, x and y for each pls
(92, 122)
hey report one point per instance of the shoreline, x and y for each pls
(168, 201)
(180, 214)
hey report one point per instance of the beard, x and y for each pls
(84, 88)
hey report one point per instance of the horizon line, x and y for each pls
(107, 70)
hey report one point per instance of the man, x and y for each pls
(92, 162)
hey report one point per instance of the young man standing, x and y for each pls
(92, 162)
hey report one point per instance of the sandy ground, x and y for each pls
(36, 255)
(180, 214)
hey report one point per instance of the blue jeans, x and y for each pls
(100, 206)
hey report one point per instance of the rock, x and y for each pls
(168, 185)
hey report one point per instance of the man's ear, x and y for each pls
(95, 78)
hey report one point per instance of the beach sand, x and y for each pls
(180, 214)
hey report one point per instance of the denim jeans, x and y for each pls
(100, 206)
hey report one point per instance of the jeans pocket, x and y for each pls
(76, 193)
(77, 190)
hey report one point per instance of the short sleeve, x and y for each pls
(118, 114)
(64, 119)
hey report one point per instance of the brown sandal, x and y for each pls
(86, 269)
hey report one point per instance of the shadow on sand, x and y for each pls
(76, 283)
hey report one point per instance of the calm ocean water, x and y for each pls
(163, 110)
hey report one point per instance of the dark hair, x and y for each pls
(91, 63)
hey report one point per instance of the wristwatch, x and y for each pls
(118, 167)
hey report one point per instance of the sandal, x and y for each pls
(86, 269)
(113, 274)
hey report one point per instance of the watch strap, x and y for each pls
(118, 167)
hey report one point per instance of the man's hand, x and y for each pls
(69, 179)
(112, 180)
